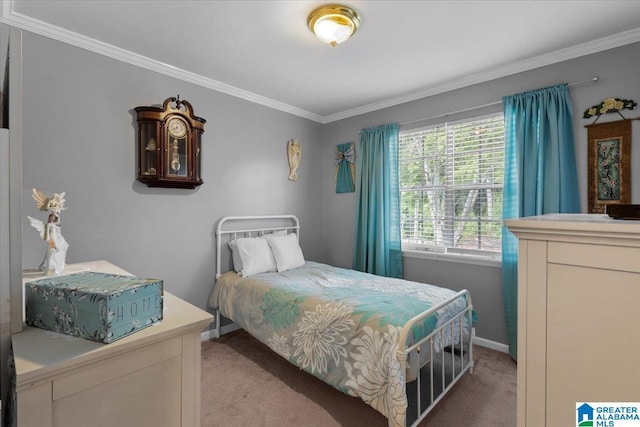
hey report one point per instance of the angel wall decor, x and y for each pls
(294, 153)
(56, 253)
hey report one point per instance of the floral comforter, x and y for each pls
(339, 325)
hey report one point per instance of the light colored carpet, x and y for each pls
(246, 384)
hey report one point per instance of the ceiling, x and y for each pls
(263, 51)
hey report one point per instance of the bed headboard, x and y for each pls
(234, 227)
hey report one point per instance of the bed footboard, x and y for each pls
(449, 355)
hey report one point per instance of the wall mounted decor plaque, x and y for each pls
(609, 164)
(345, 167)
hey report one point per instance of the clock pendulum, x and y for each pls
(175, 157)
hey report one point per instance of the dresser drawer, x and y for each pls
(111, 369)
(619, 258)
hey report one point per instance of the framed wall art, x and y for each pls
(609, 164)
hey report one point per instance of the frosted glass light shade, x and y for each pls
(333, 24)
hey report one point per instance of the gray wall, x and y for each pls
(617, 69)
(79, 137)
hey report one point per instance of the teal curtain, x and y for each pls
(345, 168)
(377, 227)
(540, 175)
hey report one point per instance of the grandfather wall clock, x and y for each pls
(169, 145)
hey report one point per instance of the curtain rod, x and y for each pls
(477, 107)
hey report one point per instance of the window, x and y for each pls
(451, 179)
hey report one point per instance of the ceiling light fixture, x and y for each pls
(333, 23)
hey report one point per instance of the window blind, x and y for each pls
(451, 179)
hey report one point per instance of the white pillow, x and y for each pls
(286, 251)
(256, 256)
(277, 233)
(237, 259)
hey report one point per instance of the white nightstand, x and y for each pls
(150, 378)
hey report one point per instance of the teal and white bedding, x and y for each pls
(340, 325)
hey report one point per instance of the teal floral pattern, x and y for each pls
(321, 335)
(375, 375)
(340, 325)
(280, 308)
(279, 344)
(96, 306)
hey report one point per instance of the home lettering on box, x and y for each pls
(146, 304)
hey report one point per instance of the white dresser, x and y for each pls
(578, 315)
(149, 378)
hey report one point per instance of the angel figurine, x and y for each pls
(56, 254)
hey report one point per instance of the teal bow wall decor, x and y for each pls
(345, 168)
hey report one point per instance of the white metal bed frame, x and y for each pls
(220, 330)
(422, 405)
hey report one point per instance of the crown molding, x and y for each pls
(60, 34)
(8, 16)
(577, 51)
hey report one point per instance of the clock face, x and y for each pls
(177, 128)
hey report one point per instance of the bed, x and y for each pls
(398, 345)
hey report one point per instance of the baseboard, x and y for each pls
(207, 335)
(492, 345)
(211, 334)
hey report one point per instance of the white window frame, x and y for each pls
(444, 253)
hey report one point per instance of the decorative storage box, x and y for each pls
(96, 306)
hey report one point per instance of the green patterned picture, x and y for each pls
(609, 165)
(608, 151)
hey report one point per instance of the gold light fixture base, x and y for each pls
(333, 23)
